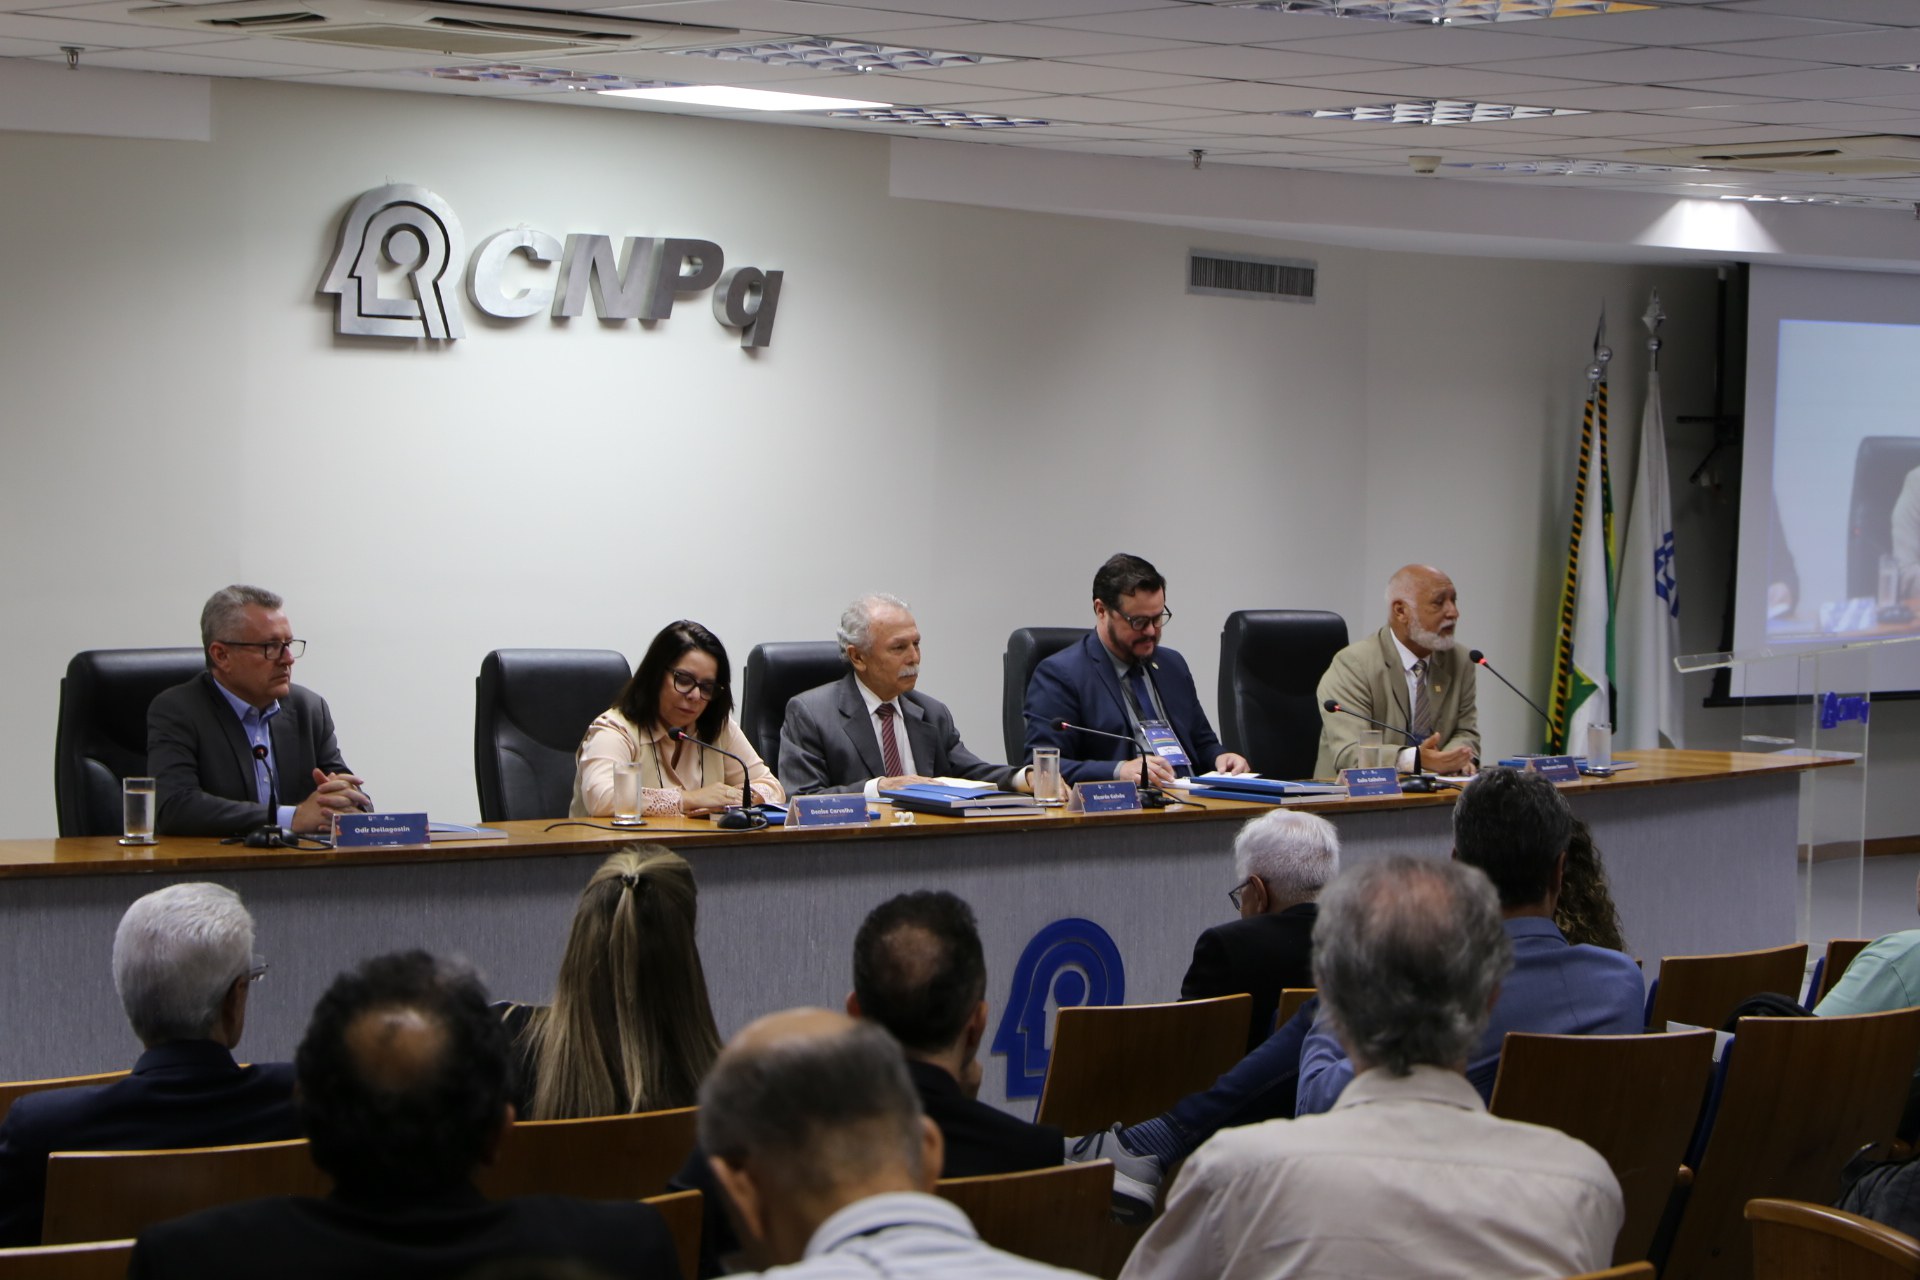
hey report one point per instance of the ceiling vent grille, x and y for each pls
(1233, 275)
(1875, 155)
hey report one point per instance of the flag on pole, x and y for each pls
(1649, 599)
(1582, 691)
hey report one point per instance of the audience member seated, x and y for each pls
(630, 1027)
(816, 1132)
(1408, 1173)
(183, 963)
(1515, 827)
(403, 1093)
(1281, 859)
(1585, 913)
(681, 687)
(1884, 976)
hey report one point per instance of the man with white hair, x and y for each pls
(1281, 861)
(1409, 1165)
(871, 729)
(183, 964)
(1409, 675)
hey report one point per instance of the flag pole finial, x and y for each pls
(1653, 319)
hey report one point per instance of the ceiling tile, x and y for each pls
(177, 61)
(1892, 13)
(1797, 111)
(1087, 110)
(1855, 49)
(1825, 82)
(1023, 40)
(1057, 77)
(1242, 95)
(1635, 97)
(1225, 62)
(1211, 24)
(1685, 26)
(1442, 46)
(1013, 10)
(91, 34)
(786, 17)
(1648, 66)
(1463, 83)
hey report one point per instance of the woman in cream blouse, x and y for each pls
(682, 683)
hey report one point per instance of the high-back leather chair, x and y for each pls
(1027, 648)
(1271, 661)
(102, 732)
(776, 671)
(1880, 470)
(531, 708)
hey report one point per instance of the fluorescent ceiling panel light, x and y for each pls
(1434, 111)
(555, 77)
(840, 55)
(942, 119)
(1447, 12)
(721, 95)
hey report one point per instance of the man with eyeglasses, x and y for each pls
(239, 746)
(1120, 680)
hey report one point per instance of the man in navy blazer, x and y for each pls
(183, 963)
(238, 746)
(1119, 679)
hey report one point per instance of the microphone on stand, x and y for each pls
(1420, 779)
(1479, 659)
(1151, 797)
(740, 817)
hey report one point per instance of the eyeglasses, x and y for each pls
(257, 970)
(687, 682)
(1234, 894)
(271, 648)
(1141, 623)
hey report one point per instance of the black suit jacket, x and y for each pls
(188, 1093)
(982, 1139)
(1258, 956)
(444, 1235)
(828, 746)
(203, 766)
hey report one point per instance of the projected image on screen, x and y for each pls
(1843, 554)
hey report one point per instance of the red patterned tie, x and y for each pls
(889, 745)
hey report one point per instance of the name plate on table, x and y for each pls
(372, 830)
(827, 811)
(1555, 768)
(1371, 782)
(1105, 797)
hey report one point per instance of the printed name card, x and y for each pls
(1371, 782)
(1105, 797)
(827, 811)
(1555, 768)
(373, 830)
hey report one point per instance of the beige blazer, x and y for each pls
(666, 768)
(1367, 676)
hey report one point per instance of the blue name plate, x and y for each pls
(1555, 768)
(1106, 797)
(827, 811)
(1371, 782)
(370, 830)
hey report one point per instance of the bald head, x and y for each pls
(919, 970)
(1422, 608)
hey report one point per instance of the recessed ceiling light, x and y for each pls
(514, 73)
(943, 119)
(1567, 168)
(1447, 12)
(839, 55)
(729, 96)
(1431, 111)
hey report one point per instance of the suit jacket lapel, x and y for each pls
(240, 751)
(1396, 677)
(1104, 673)
(920, 737)
(288, 771)
(858, 726)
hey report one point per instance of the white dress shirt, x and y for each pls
(874, 704)
(1409, 761)
(907, 1236)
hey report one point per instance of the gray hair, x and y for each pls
(1401, 585)
(1407, 954)
(856, 621)
(175, 955)
(225, 608)
(809, 1106)
(1295, 853)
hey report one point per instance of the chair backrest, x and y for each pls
(1631, 1271)
(1027, 648)
(104, 1195)
(97, 1260)
(776, 671)
(102, 731)
(1801, 1095)
(13, 1090)
(1271, 661)
(1058, 1216)
(1130, 1062)
(684, 1213)
(1793, 1240)
(1880, 468)
(1702, 991)
(606, 1158)
(1634, 1099)
(531, 708)
(1291, 998)
(1841, 952)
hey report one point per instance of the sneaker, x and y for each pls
(1136, 1178)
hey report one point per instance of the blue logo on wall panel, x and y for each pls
(1069, 963)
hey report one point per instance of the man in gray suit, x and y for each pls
(1408, 675)
(870, 730)
(239, 746)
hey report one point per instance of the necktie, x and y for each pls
(889, 745)
(1422, 714)
(1142, 696)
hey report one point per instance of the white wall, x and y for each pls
(969, 407)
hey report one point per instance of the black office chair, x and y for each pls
(1879, 471)
(1027, 648)
(1271, 661)
(102, 731)
(776, 671)
(531, 708)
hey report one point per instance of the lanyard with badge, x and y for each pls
(1153, 729)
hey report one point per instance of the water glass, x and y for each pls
(136, 811)
(626, 795)
(1047, 786)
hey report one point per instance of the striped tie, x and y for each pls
(889, 745)
(1422, 714)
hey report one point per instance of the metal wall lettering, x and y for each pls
(486, 274)
(414, 230)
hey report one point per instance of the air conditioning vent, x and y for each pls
(1239, 276)
(1872, 155)
(446, 28)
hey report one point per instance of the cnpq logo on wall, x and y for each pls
(411, 230)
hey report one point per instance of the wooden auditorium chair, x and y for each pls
(1703, 991)
(1793, 1240)
(1127, 1063)
(14, 1089)
(684, 1214)
(96, 1260)
(1057, 1216)
(625, 1157)
(105, 1195)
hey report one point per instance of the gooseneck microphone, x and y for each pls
(1479, 659)
(744, 816)
(1333, 705)
(1151, 796)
